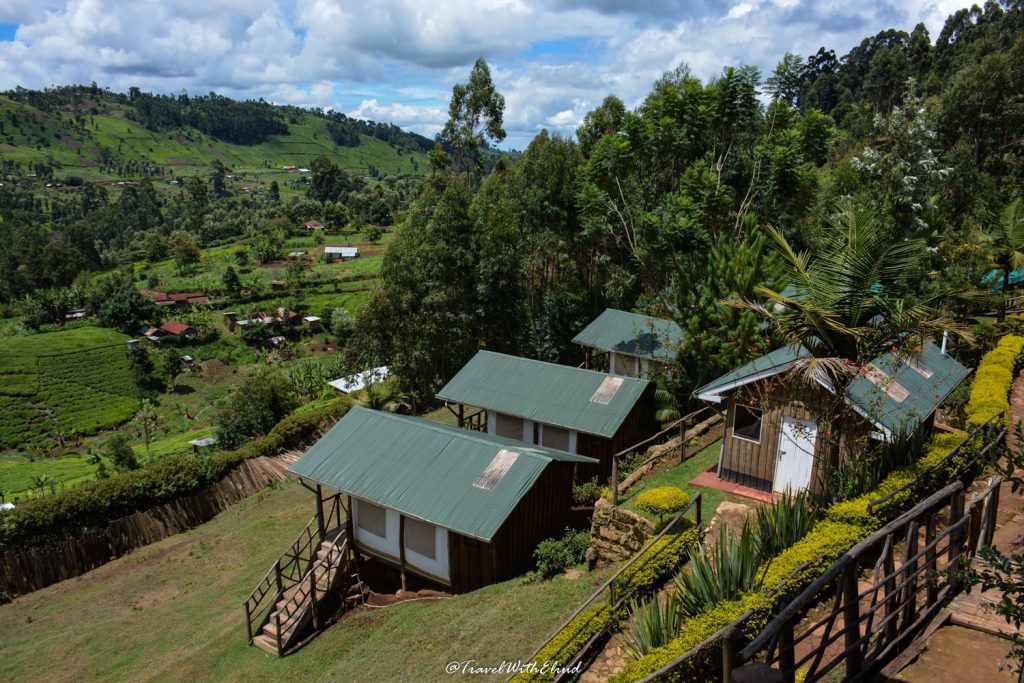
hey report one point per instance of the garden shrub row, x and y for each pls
(644, 577)
(95, 504)
(993, 379)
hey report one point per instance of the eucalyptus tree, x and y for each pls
(475, 115)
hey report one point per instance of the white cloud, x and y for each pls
(396, 60)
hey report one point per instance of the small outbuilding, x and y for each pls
(174, 328)
(313, 225)
(637, 345)
(772, 440)
(361, 380)
(459, 508)
(556, 406)
(341, 253)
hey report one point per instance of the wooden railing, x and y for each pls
(681, 425)
(908, 586)
(968, 441)
(608, 593)
(290, 568)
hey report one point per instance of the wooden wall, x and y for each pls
(753, 464)
(542, 513)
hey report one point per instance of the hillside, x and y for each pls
(100, 137)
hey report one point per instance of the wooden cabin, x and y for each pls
(340, 253)
(556, 406)
(459, 508)
(636, 345)
(772, 441)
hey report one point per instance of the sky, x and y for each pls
(397, 60)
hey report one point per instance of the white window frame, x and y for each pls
(760, 428)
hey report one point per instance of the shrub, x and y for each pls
(818, 550)
(567, 643)
(660, 560)
(554, 556)
(653, 623)
(586, 493)
(993, 379)
(662, 500)
(94, 505)
(783, 523)
(723, 573)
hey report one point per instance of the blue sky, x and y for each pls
(396, 60)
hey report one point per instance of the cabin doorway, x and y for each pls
(795, 460)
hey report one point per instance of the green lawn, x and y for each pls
(681, 476)
(16, 473)
(172, 610)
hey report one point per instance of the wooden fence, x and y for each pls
(872, 618)
(23, 571)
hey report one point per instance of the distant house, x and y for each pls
(340, 253)
(772, 441)
(361, 380)
(556, 406)
(637, 345)
(174, 328)
(177, 299)
(312, 323)
(459, 508)
(278, 285)
(313, 225)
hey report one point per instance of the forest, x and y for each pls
(670, 208)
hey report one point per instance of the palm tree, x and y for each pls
(844, 306)
(1007, 242)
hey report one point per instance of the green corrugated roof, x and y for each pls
(424, 469)
(919, 395)
(553, 394)
(633, 334)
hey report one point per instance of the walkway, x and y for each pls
(974, 645)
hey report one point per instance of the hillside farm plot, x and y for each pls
(73, 382)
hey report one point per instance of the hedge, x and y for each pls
(643, 577)
(95, 504)
(993, 379)
(662, 500)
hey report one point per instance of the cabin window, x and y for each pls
(373, 519)
(508, 426)
(746, 423)
(555, 437)
(421, 538)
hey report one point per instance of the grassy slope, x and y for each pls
(681, 476)
(188, 151)
(173, 610)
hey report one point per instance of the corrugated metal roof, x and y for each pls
(894, 393)
(427, 470)
(994, 278)
(344, 251)
(553, 394)
(632, 334)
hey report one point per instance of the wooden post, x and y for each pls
(851, 622)
(401, 548)
(248, 620)
(312, 601)
(891, 598)
(787, 660)
(730, 651)
(277, 622)
(910, 592)
(993, 505)
(462, 416)
(277, 575)
(956, 513)
(698, 513)
(929, 559)
(320, 513)
(615, 480)
(350, 530)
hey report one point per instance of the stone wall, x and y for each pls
(617, 534)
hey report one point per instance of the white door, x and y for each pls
(795, 459)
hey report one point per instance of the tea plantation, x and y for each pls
(72, 382)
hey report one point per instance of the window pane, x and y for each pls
(421, 538)
(553, 437)
(508, 426)
(372, 518)
(747, 423)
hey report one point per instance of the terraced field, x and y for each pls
(73, 382)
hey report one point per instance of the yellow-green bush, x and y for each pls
(566, 644)
(662, 500)
(993, 379)
(660, 560)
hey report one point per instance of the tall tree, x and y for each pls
(475, 115)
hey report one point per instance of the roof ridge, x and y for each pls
(560, 366)
(456, 432)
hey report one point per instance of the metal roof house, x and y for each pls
(555, 406)
(340, 253)
(772, 440)
(459, 508)
(637, 345)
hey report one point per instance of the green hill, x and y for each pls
(102, 137)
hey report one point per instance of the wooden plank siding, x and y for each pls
(542, 513)
(637, 426)
(753, 464)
